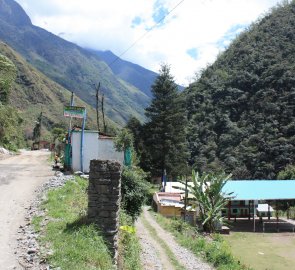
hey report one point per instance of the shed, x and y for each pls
(95, 147)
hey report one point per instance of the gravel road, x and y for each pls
(154, 257)
(20, 175)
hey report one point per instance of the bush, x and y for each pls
(134, 190)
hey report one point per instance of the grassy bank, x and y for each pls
(214, 250)
(129, 246)
(74, 244)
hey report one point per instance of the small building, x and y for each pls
(250, 196)
(95, 146)
(171, 205)
(41, 145)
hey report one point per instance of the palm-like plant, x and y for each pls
(209, 197)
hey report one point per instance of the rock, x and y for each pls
(4, 151)
(32, 250)
(28, 250)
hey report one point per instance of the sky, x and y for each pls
(190, 37)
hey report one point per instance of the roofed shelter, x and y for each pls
(247, 194)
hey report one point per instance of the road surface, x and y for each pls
(155, 257)
(20, 175)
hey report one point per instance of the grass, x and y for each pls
(75, 244)
(129, 246)
(214, 250)
(263, 251)
(165, 247)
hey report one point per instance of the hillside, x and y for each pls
(242, 108)
(71, 66)
(136, 75)
(32, 92)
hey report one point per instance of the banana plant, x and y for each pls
(207, 193)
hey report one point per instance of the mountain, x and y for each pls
(242, 108)
(73, 67)
(32, 92)
(136, 75)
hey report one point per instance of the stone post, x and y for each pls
(104, 195)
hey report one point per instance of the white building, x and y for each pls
(95, 146)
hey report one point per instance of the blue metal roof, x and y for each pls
(261, 189)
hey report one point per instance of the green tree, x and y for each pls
(135, 127)
(166, 127)
(287, 173)
(37, 129)
(11, 134)
(7, 76)
(209, 198)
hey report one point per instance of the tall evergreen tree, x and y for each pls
(165, 132)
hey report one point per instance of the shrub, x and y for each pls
(134, 190)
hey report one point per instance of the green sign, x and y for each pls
(74, 111)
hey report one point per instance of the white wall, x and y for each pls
(94, 148)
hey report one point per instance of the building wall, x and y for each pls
(94, 148)
(240, 209)
(170, 211)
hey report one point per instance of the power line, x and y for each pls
(147, 31)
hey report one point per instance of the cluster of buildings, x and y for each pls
(249, 199)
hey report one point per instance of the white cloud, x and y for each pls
(109, 25)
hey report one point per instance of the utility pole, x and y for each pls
(97, 115)
(67, 161)
(102, 110)
(185, 198)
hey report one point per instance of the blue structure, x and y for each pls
(261, 189)
(247, 194)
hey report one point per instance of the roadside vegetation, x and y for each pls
(11, 135)
(72, 242)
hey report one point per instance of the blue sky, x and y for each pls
(188, 39)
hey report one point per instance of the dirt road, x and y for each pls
(19, 177)
(155, 257)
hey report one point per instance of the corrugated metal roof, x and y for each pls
(261, 189)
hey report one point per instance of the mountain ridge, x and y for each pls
(32, 93)
(75, 68)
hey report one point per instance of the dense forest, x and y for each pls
(241, 109)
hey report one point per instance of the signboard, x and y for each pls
(74, 111)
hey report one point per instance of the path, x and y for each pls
(20, 175)
(154, 257)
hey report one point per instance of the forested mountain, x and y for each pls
(71, 66)
(32, 92)
(241, 110)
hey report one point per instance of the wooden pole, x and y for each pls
(185, 199)
(102, 110)
(229, 208)
(97, 115)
